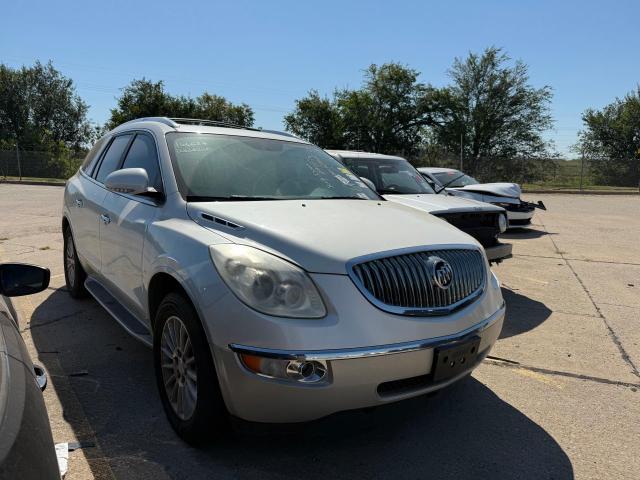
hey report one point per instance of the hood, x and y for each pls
(499, 189)
(442, 203)
(323, 235)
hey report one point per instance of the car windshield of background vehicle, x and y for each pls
(457, 179)
(390, 176)
(211, 167)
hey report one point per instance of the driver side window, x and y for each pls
(143, 154)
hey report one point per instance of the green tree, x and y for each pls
(318, 120)
(383, 116)
(491, 108)
(40, 110)
(612, 140)
(145, 98)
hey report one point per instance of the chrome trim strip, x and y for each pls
(365, 352)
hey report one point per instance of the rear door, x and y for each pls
(85, 197)
(124, 226)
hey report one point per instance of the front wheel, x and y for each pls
(74, 274)
(185, 372)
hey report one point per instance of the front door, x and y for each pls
(124, 221)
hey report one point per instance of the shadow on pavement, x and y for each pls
(523, 314)
(465, 432)
(524, 233)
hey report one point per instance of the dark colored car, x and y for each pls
(398, 181)
(26, 443)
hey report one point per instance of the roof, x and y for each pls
(169, 125)
(437, 170)
(356, 154)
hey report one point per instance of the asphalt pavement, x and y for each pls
(557, 399)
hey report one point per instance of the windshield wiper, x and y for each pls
(384, 191)
(342, 198)
(449, 183)
(229, 198)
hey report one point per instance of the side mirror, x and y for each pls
(369, 184)
(128, 180)
(18, 279)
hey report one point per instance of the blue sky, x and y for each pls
(268, 54)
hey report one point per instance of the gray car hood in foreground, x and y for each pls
(499, 189)
(442, 203)
(323, 235)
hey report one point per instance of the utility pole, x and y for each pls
(461, 143)
(18, 158)
(582, 169)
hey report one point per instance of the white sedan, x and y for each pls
(505, 195)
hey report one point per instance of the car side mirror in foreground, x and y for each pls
(18, 279)
(133, 181)
(369, 184)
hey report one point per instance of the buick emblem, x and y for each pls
(441, 272)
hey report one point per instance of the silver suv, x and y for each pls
(271, 282)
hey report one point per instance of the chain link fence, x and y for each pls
(579, 174)
(30, 165)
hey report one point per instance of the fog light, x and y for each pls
(304, 371)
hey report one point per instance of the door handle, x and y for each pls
(105, 219)
(79, 202)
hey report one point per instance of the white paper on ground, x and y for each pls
(62, 452)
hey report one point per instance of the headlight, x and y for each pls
(502, 222)
(267, 283)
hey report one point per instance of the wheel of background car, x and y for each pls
(185, 373)
(74, 274)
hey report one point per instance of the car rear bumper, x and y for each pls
(357, 377)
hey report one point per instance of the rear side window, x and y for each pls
(92, 156)
(111, 159)
(143, 154)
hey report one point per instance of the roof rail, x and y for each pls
(278, 132)
(175, 122)
(165, 120)
(213, 123)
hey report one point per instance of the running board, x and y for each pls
(125, 318)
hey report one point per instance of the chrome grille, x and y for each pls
(405, 283)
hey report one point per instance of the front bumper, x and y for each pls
(520, 214)
(358, 377)
(499, 252)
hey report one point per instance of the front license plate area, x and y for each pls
(450, 360)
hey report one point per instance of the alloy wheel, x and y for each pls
(179, 368)
(70, 262)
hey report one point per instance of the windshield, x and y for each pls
(390, 176)
(456, 177)
(226, 167)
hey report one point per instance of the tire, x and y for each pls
(74, 274)
(199, 417)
